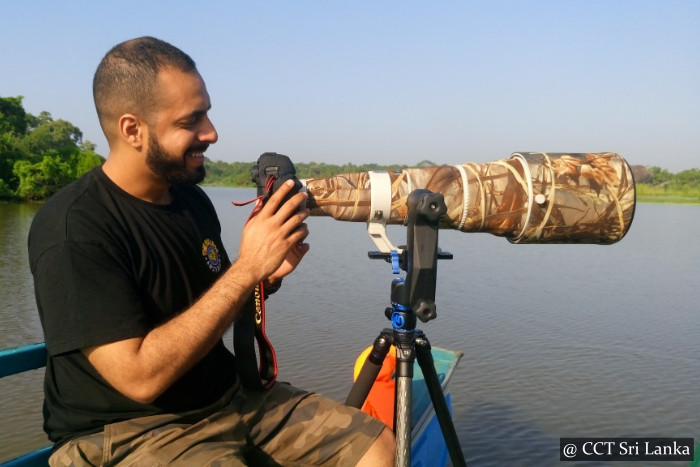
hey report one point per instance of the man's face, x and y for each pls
(182, 130)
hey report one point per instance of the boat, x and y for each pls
(428, 447)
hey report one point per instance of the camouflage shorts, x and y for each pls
(283, 425)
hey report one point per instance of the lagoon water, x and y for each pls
(558, 340)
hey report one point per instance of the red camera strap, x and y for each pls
(249, 329)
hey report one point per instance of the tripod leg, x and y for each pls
(427, 365)
(405, 356)
(370, 370)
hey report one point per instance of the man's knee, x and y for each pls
(382, 451)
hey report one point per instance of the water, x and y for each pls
(558, 340)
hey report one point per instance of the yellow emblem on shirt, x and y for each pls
(211, 255)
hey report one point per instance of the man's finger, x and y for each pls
(277, 197)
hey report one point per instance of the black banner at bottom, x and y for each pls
(626, 449)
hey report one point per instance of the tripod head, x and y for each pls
(419, 257)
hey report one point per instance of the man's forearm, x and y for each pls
(143, 368)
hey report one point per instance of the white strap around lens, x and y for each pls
(465, 196)
(380, 210)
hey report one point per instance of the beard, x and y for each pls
(171, 168)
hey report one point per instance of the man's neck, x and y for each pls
(138, 181)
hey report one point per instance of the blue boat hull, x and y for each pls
(428, 446)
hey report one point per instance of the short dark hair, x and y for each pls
(125, 80)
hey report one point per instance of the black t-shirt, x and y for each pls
(107, 267)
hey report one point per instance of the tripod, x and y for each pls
(411, 298)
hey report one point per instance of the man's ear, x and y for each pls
(133, 131)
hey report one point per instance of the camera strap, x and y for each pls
(249, 329)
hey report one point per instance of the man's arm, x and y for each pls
(143, 368)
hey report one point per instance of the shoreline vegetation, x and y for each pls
(663, 195)
(40, 155)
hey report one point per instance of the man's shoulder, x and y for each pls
(72, 192)
(77, 200)
(69, 196)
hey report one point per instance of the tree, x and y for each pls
(85, 161)
(40, 180)
(13, 118)
(11, 150)
(57, 135)
(13, 127)
(6, 193)
(43, 117)
(691, 177)
(659, 175)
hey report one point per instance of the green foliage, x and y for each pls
(11, 150)
(238, 173)
(13, 118)
(233, 174)
(315, 170)
(6, 193)
(662, 178)
(659, 175)
(85, 161)
(39, 155)
(56, 135)
(665, 187)
(40, 180)
(660, 194)
(689, 177)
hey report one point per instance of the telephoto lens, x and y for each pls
(531, 197)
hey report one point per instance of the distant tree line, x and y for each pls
(239, 173)
(661, 181)
(40, 155)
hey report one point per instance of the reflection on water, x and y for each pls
(559, 340)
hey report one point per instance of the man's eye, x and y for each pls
(189, 122)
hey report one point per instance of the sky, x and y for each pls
(391, 82)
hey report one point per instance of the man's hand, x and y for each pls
(290, 262)
(272, 243)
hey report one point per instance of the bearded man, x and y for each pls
(135, 291)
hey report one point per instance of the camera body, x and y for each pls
(271, 171)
